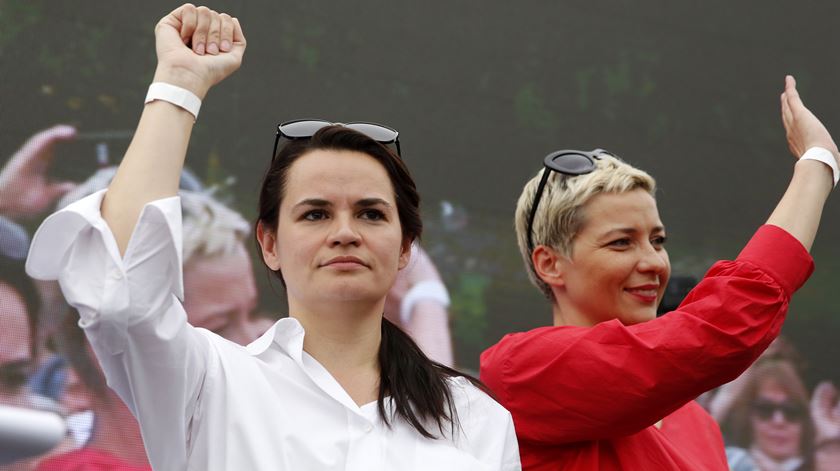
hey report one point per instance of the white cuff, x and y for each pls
(176, 95)
(825, 156)
(432, 290)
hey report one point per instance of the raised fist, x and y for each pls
(197, 48)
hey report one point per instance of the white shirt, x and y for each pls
(204, 403)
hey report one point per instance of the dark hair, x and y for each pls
(418, 386)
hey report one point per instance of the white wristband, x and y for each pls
(431, 290)
(825, 156)
(176, 95)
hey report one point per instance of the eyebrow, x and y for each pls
(364, 203)
(629, 231)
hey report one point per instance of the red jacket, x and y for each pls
(587, 398)
(87, 459)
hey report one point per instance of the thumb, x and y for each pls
(180, 23)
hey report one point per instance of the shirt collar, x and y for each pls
(287, 334)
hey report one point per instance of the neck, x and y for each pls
(116, 431)
(568, 317)
(344, 337)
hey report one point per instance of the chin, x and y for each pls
(351, 292)
(637, 317)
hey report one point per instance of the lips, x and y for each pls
(645, 293)
(344, 261)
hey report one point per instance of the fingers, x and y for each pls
(39, 146)
(824, 397)
(793, 99)
(202, 30)
(213, 36)
(238, 36)
(189, 21)
(226, 32)
(787, 115)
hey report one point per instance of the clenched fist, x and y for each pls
(197, 48)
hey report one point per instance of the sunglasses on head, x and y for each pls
(306, 128)
(566, 162)
(765, 410)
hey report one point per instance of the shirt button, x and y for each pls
(368, 428)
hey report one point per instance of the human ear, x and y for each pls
(268, 245)
(549, 265)
(405, 254)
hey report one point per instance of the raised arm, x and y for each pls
(569, 384)
(800, 208)
(196, 49)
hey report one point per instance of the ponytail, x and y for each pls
(419, 387)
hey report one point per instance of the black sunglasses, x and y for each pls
(306, 128)
(567, 162)
(765, 410)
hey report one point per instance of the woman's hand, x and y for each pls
(25, 189)
(803, 129)
(800, 209)
(197, 48)
(825, 411)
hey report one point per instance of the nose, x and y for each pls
(654, 260)
(343, 232)
(778, 417)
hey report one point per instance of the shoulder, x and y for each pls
(474, 406)
(484, 428)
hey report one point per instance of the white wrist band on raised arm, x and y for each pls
(825, 156)
(176, 95)
(428, 290)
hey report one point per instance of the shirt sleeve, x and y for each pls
(486, 428)
(131, 313)
(569, 384)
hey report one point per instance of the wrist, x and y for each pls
(183, 78)
(815, 176)
(178, 96)
(827, 158)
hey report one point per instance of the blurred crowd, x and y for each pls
(769, 418)
(45, 360)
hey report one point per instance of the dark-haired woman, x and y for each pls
(332, 387)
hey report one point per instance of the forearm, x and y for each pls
(429, 326)
(151, 167)
(800, 209)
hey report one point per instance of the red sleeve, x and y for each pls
(570, 384)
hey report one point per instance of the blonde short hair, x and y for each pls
(560, 212)
(209, 227)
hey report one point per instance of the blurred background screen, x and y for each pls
(480, 92)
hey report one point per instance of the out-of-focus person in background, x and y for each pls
(418, 304)
(19, 305)
(25, 189)
(609, 385)
(769, 425)
(220, 290)
(825, 412)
